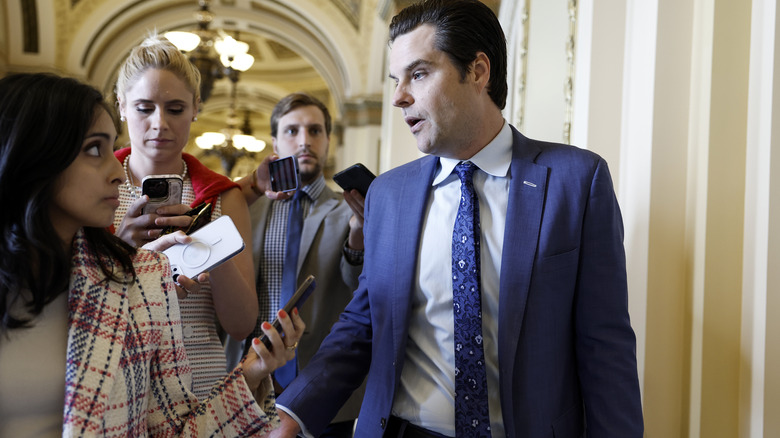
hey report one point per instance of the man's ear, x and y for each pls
(273, 143)
(480, 68)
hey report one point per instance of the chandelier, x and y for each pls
(214, 53)
(231, 143)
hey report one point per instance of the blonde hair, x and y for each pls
(158, 53)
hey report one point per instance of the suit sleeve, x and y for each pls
(605, 341)
(340, 364)
(350, 272)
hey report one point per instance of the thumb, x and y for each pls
(137, 206)
(164, 242)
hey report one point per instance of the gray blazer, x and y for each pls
(325, 229)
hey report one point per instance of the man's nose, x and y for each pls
(401, 96)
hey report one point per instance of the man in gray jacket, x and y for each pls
(331, 239)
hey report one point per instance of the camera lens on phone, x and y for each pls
(156, 188)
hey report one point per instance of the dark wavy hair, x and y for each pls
(44, 119)
(463, 28)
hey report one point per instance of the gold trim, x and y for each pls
(521, 74)
(571, 50)
(29, 26)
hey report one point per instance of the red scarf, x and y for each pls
(206, 183)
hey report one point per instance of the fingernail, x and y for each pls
(295, 310)
(267, 326)
(255, 341)
(282, 314)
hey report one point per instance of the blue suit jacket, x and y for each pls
(567, 360)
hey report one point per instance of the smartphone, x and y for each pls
(284, 174)
(162, 190)
(297, 300)
(201, 215)
(212, 245)
(356, 176)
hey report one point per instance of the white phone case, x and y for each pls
(212, 245)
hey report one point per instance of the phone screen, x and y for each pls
(284, 174)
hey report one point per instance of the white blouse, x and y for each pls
(32, 374)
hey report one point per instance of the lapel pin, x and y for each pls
(529, 183)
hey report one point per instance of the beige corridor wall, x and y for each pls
(674, 120)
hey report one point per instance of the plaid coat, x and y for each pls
(127, 373)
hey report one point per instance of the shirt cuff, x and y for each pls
(354, 256)
(304, 432)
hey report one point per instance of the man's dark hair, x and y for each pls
(463, 28)
(293, 101)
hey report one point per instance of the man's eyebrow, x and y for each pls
(412, 65)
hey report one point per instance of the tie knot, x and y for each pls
(299, 194)
(465, 170)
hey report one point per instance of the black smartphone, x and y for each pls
(284, 174)
(162, 190)
(356, 176)
(201, 215)
(297, 300)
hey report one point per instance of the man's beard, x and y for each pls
(308, 176)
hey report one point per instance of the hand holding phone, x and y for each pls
(356, 177)
(201, 215)
(297, 300)
(212, 245)
(162, 190)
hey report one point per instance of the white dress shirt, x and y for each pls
(425, 396)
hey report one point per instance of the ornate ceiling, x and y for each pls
(334, 49)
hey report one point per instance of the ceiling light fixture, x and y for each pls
(231, 143)
(213, 52)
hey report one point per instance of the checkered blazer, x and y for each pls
(127, 373)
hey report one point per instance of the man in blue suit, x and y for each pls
(559, 351)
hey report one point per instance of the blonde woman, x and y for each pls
(158, 95)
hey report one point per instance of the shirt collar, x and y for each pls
(314, 190)
(494, 158)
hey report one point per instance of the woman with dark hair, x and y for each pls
(90, 339)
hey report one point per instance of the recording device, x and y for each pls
(356, 177)
(212, 245)
(297, 300)
(162, 190)
(284, 174)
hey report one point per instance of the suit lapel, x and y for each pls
(412, 202)
(320, 208)
(527, 191)
(97, 319)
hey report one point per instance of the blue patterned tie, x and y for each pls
(286, 373)
(471, 397)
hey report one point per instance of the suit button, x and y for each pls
(383, 422)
